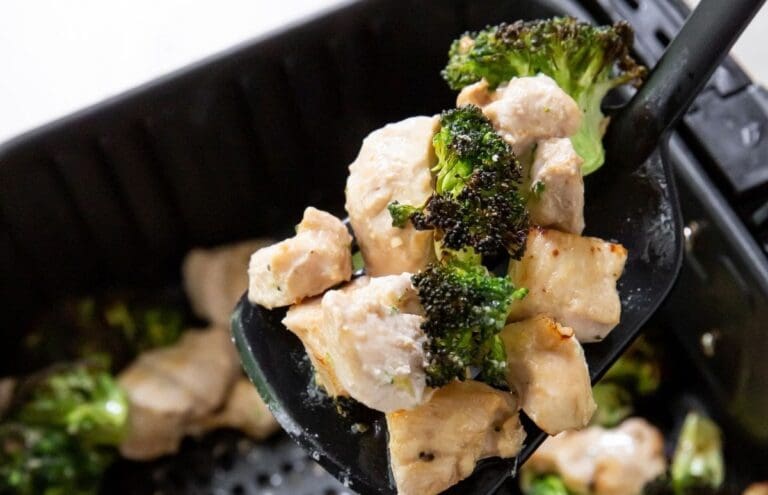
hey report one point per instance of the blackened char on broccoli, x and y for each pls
(476, 201)
(586, 61)
(465, 308)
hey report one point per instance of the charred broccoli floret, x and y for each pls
(586, 62)
(476, 201)
(42, 461)
(465, 308)
(81, 399)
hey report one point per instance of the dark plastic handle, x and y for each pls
(683, 70)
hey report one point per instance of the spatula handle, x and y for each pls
(683, 70)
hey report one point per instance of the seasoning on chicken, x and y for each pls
(375, 344)
(598, 461)
(547, 370)
(526, 110)
(171, 386)
(438, 443)
(305, 319)
(214, 279)
(243, 410)
(393, 165)
(316, 258)
(557, 187)
(572, 279)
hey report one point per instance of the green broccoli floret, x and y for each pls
(43, 461)
(637, 373)
(614, 404)
(121, 324)
(638, 370)
(465, 309)
(697, 463)
(401, 213)
(586, 62)
(476, 202)
(145, 327)
(82, 399)
(549, 484)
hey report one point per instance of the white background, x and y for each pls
(57, 56)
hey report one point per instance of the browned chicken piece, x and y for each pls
(760, 488)
(306, 321)
(169, 387)
(365, 341)
(244, 410)
(558, 187)
(598, 461)
(214, 279)
(547, 370)
(526, 110)
(318, 257)
(437, 444)
(393, 165)
(376, 346)
(7, 389)
(571, 279)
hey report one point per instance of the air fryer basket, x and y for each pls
(234, 148)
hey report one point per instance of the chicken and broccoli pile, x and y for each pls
(132, 376)
(622, 453)
(478, 288)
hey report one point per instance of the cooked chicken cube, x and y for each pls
(757, 489)
(316, 258)
(203, 362)
(305, 319)
(547, 370)
(214, 279)
(617, 461)
(375, 345)
(437, 444)
(170, 386)
(572, 279)
(244, 410)
(393, 165)
(159, 411)
(558, 187)
(7, 389)
(478, 94)
(526, 110)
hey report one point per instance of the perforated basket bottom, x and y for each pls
(226, 463)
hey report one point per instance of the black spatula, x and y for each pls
(631, 200)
